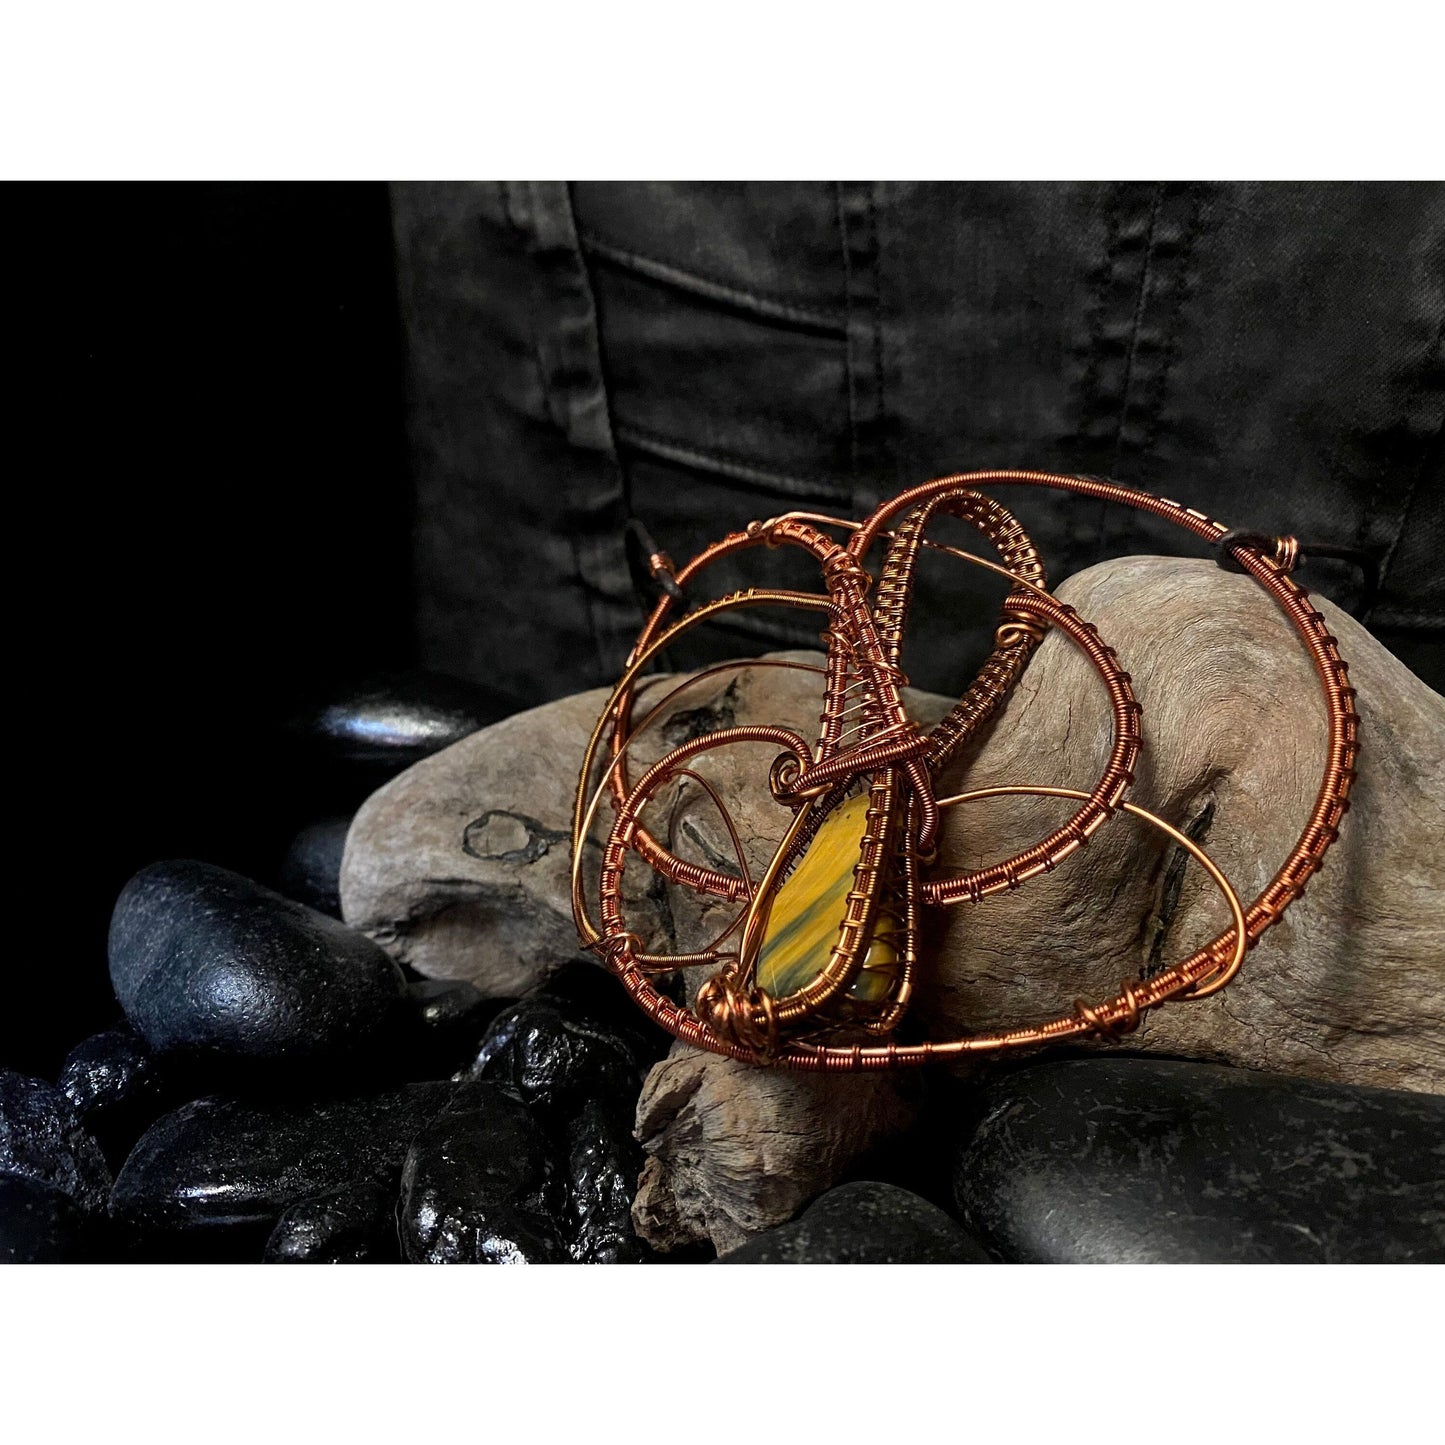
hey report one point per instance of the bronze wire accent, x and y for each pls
(867, 738)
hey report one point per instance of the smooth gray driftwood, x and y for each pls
(1351, 985)
(733, 1149)
(460, 867)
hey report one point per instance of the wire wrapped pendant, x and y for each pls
(817, 967)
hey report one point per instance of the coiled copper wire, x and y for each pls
(863, 658)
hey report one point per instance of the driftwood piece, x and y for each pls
(1351, 985)
(734, 1149)
(460, 868)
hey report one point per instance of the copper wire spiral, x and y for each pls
(866, 737)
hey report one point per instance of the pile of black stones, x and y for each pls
(275, 1088)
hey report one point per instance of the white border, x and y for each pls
(889, 88)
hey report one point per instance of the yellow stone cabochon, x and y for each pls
(808, 910)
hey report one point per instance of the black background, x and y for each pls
(209, 427)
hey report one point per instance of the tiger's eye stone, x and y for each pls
(809, 907)
(882, 962)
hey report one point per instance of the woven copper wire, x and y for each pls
(994, 523)
(863, 659)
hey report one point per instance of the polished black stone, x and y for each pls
(586, 992)
(311, 869)
(208, 964)
(109, 1071)
(41, 1138)
(117, 1087)
(555, 1063)
(479, 1186)
(603, 1163)
(574, 1039)
(864, 1223)
(39, 1224)
(216, 1164)
(440, 1027)
(355, 1224)
(390, 722)
(1133, 1160)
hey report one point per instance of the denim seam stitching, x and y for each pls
(844, 244)
(698, 283)
(1182, 289)
(1437, 355)
(1091, 406)
(879, 404)
(1141, 303)
(728, 464)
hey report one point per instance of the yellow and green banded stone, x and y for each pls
(808, 910)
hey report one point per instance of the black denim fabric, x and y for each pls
(698, 355)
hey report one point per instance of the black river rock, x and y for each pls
(387, 723)
(864, 1223)
(39, 1224)
(480, 1187)
(210, 965)
(355, 1224)
(215, 1163)
(603, 1163)
(1135, 1160)
(116, 1085)
(42, 1139)
(311, 869)
(110, 1070)
(575, 1038)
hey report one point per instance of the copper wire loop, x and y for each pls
(866, 739)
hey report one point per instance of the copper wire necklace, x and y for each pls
(797, 985)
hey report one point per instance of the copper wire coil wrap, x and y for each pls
(865, 732)
(989, 690)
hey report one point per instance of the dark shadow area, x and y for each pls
(212, 432)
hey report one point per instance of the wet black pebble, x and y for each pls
(42, 1139)
(441, 1024)
(479, 1186)
(355, 1224)
(117, 1087)
(386, 723)
(109, 1071)
(218, 1164)
(603, 1163)
(864, 1223)
(576, 1038)
(1147, 1160)
(39, 1224)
